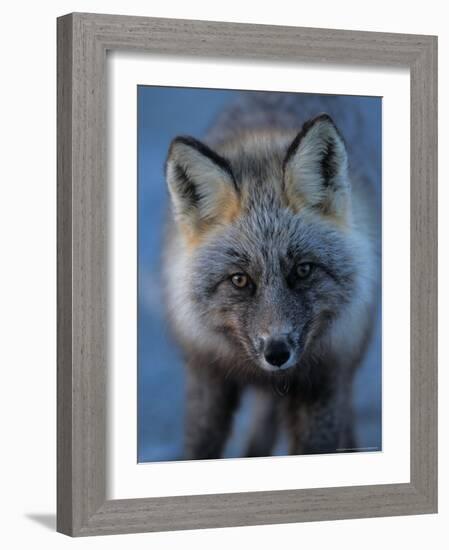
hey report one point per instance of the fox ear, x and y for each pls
(201, 184)
(315, 169)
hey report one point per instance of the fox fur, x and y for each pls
(271, 268)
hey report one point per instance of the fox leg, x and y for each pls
(320, 427)
(348, 440)
(211, 402)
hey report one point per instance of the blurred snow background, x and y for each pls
(164, 113)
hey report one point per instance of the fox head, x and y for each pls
(268, 258)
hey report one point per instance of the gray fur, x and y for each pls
(324, 320)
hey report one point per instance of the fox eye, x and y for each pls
(304, 270)
(240, 280)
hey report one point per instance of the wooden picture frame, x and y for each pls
(83, 40)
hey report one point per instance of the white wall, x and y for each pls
(27, 289)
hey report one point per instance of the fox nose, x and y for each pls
(276, 352)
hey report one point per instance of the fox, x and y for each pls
(271, 268)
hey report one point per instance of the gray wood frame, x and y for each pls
(83, 40)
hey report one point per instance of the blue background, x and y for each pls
(164, 113)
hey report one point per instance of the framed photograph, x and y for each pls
(247, 274)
